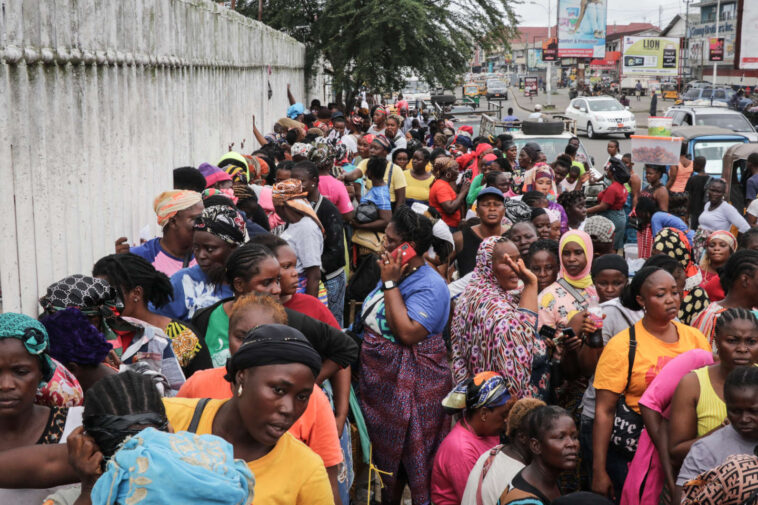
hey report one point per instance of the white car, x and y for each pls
(599, 115)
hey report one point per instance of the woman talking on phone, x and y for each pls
(404, 374)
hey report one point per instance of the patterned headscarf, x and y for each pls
(291, 194)
(485, 389)
(154, 467)
(488, 326)
(88, 294)
(383, 142)
(731, 483)
(234, 164)
(224, 222)
(674, 244)
(301, 149)
(721, 235)
(322, 155)
(538, 171)
(599, 227)
(584, 279)
(33, 335)
(517, 211)
(227, 193)
(169, 203)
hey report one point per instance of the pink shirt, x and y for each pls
(455, 458)
(335, 192)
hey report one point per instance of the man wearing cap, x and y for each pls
(393, 174)
(490, 209)
(537, 114)
(601, 230)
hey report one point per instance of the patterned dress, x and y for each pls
(490, 332)
(556, 303)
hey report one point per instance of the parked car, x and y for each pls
(599, 115)
(496, 89)
(683, 115)
(736, 174)
(710, 142)
(706, 95)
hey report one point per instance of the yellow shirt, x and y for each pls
(398, 178)
(651, 356)
(290, 474)
(416, 189)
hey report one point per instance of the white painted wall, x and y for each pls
(99, 101)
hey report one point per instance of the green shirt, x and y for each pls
(217, 336)
(473, 191)
(580, 165)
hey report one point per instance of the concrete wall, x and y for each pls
(99, 100)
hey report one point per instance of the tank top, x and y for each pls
(467, 256)
(711, 410)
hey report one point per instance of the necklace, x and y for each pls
(410, 272)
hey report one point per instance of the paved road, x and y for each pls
(523, 106)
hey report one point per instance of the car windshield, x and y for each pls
(734, 122)
(553, 146)
(692, 94)
(713, 151)
(604, 105)
(495, 84)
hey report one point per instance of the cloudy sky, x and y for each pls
(619, 11)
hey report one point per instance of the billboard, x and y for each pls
(534, 59)
(716, 49)
(550, 49)
(581, 28)
(747, 38)
(650, 56)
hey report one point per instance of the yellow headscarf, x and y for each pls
(584, 279)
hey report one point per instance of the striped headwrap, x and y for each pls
(485, 389)
(224, 222)
(169, 203)
(290, 193)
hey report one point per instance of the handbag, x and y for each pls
(366, 212)
(627, 424)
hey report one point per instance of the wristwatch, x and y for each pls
(389, 285)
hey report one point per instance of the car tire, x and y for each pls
(590, 131)
(542, 128)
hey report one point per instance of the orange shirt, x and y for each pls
(442, 192)
(316, 428)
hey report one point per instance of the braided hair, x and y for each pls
(740, 377)
(570, 198)
(733, 314)
(123, 394)
(308, 167)
(127, 271)
(743, 261)
(491, 178)
(243, 262)
(414, 228)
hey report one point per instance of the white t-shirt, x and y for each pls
(37, 496)
(722, 218)
(498, 478)
(306, 239)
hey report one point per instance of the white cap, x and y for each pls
(538, 107)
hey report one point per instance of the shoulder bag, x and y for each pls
(627, 424)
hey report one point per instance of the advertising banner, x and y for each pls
(658, 56)
(550, 49)
(747, 35)
(531, 85)
(534, 59)
(716, 49)
(581, 28)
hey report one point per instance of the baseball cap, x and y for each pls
(490, 191)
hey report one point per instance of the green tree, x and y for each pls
(376, 43)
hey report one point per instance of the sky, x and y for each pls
(619, 11)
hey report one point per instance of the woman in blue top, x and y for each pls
(379, 194)
(404, 373)
(218, 231)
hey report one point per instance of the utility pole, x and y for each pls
(686, 59)
(716, 63)
(660, 15)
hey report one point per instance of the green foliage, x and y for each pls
(376, 43)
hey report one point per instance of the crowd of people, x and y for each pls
(376, 302)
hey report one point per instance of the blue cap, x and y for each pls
(295, 110)
(490, 191)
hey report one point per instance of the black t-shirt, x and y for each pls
(696, 189)
(333, 257)
(467, 256)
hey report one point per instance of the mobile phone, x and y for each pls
(547, 332)
(405, 251)
(568, 332)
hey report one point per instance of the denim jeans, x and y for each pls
(616, 466)
(335, 290)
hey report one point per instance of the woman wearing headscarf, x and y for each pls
(541, 178)
(573, 291)
(483, 403)
(717, 214)
(176, 211)
(719, 246)
(527, 158)
(272, 375)
(379, 116)
(304, 233)
(495, 329)
(674, 244)
(26, 367)
(218, 231)
(611, 201)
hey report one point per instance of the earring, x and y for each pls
(239, 391)
(136, 299)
